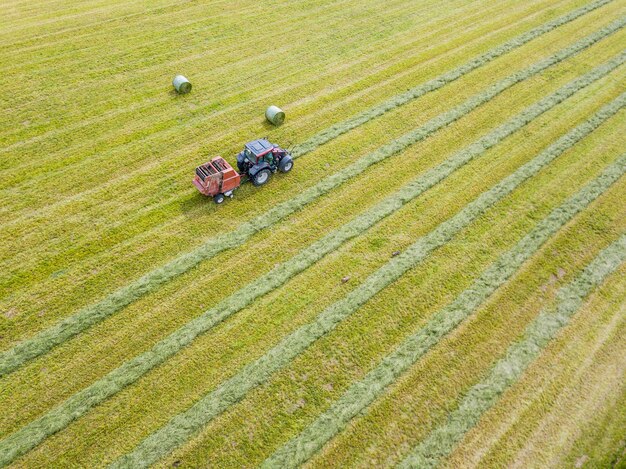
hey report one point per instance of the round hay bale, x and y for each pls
(275, 115)
(181, 84)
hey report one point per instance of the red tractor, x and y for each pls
(258, 160)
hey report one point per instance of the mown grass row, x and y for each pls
(566, 392)
(184, 425)
(363, 393)
(507, 371)
(422, 397)
(133, 370)
(336, 130)
(49, 338)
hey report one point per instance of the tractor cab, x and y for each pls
(260, 158)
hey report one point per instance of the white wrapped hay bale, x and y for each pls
(181, 84)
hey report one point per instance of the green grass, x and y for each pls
(518, 357)
(128, 302)
(184, 425)
(363, 393)
(75, 324)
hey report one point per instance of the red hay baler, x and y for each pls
(217, 179)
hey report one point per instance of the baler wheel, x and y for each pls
(218, 199)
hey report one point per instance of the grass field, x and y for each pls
(460, 163)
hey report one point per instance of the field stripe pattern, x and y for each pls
(131, 371)
(519, 356)
(362, 394)
(185, 424)
(69, 327)
(432, 85)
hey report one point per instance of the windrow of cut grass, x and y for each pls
(336, 130)
(577, 378)
(136, 368)
(360, 395)
(73, 325)
(420, 399)
(507, 371)
(186, 424)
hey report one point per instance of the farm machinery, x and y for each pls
(256, 163)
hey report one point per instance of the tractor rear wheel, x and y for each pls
(218, 199)
(261, 177)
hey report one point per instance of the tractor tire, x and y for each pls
(261, 177)
(285, 165)
(218, 199)
(240, 166)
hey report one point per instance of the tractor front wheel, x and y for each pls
(285, 164)
(261, 177)
(218, 199)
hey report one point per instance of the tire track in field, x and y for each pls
(134, 369)
(361, 394)
(49, 338)
(508, 370)
(184, 425)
